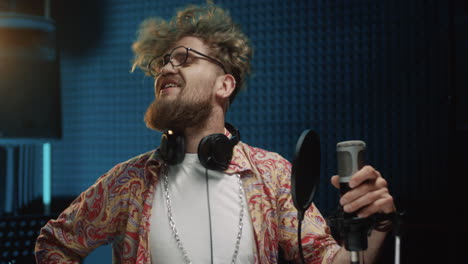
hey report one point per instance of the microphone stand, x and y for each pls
(398, 232)
(354, 231)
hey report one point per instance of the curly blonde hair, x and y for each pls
(211, 24)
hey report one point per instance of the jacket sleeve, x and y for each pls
(93, 219)
(317, 243)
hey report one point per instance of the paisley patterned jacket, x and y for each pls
(117, 209)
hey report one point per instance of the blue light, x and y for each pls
(46, 178)
(10, 182)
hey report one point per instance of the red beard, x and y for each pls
(178, 114)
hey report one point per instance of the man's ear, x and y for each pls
(226, 86)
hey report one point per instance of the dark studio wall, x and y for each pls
(386, 72)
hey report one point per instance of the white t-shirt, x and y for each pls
(188, 194)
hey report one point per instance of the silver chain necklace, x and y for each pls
(173, 224)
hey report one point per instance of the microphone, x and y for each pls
(351, 156)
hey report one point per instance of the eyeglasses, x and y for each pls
(177, 57)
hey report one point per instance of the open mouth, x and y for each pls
(168, 84)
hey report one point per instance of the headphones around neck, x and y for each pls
(214, 151)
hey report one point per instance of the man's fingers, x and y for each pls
(370, 203)
(364, 174)
(356, 193)
(382, 205)
(368, 194)
(335, 181)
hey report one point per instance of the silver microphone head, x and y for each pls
(351, 156)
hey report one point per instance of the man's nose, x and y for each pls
(168, 68)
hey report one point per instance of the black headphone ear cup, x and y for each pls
(172, 148)
(215, 152)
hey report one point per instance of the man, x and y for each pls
(175, 206)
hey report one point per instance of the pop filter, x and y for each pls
(305, 172)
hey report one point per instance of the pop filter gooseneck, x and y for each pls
(305, 176)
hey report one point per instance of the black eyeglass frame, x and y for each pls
(167, 59)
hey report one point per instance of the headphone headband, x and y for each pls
(235, 134)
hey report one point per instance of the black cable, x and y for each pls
(209, 214)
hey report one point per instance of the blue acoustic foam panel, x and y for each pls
(369, 70)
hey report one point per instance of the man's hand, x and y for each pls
(368, 194)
